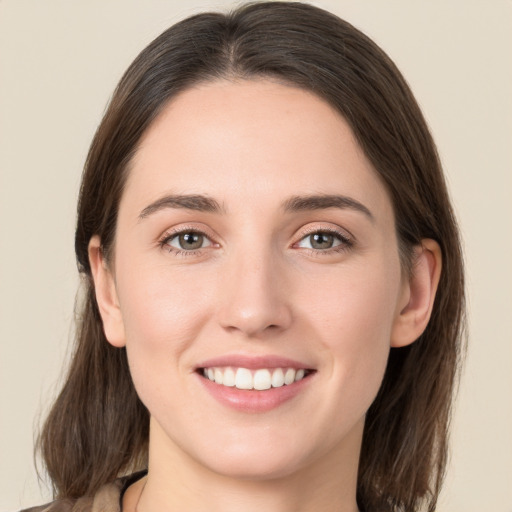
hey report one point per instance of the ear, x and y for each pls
(418, 294)
(106, 295)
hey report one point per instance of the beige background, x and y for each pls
(59, 61)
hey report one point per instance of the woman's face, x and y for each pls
(255, 245)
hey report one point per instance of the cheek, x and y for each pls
(353, 320)
(357, 302)
(161, 304)
(163, 312)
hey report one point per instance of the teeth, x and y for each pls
(261, 379)
(243, 379)
(218, 376)
(289, 376)
(278, 378)
(229, 378)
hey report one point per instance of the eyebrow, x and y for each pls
(324, 201)
(202, 203)
(194, 202)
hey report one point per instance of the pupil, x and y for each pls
(321, 241)
(191, 240)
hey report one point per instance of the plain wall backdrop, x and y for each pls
(59, 62)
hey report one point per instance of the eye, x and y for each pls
(323, 241)
(187, 241)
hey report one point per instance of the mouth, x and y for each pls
(251, 383)
(256, 379)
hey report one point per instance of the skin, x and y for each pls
(256, 287)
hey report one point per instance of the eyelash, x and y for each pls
(346, 242)
(168, 236)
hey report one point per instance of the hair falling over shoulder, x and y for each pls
(98, 428)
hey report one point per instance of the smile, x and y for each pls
(257, 379)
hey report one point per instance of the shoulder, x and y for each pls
(55, 506)
(81, 505)
(101, 502)
(36, 509)
(107, 499)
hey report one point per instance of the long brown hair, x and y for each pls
(98, 428)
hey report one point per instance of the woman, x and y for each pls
(273, 280)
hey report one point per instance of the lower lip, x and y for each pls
(253, 401)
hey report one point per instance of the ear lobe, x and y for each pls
(106, 295)
(418, 294)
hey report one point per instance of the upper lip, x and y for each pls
(253, 362)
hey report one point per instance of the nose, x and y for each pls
(255, 299)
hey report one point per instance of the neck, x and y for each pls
(328, 484)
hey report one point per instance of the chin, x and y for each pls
(260, 467)
(269, 454)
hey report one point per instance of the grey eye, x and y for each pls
(321, 240)
(189, 241)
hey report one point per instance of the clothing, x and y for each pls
(107, 499)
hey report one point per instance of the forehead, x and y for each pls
(247, 139)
